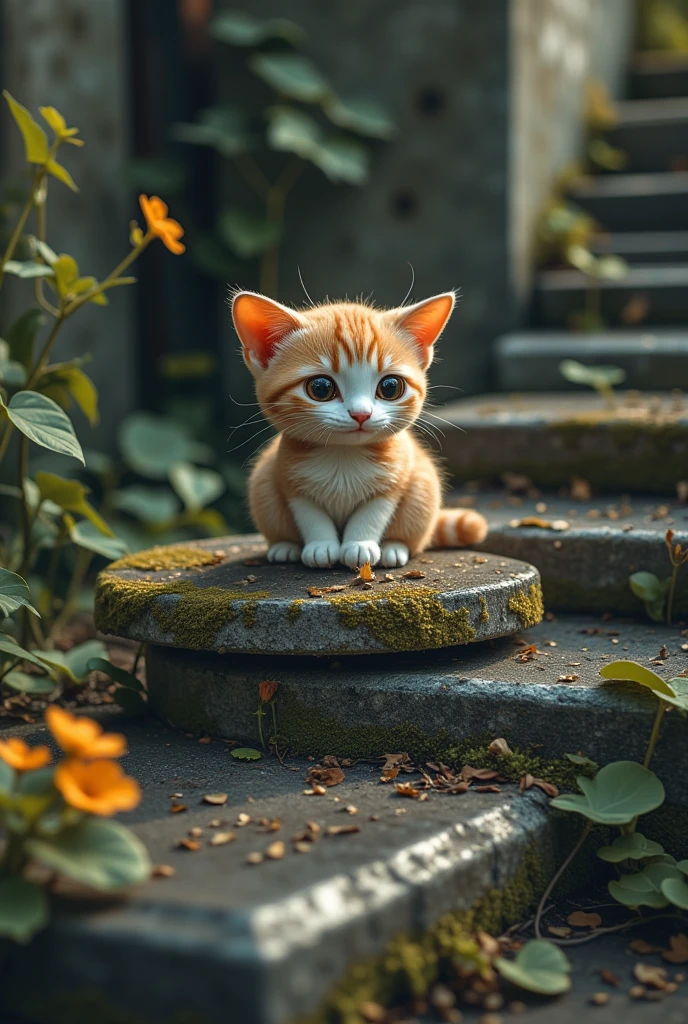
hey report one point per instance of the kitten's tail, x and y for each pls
(458, 528)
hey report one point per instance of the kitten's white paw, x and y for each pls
(356, 553)
(284, 551)
(394, 554)
(320, 554)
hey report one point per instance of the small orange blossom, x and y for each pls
(82, 737)
(266, 690)
(98, 787)
(162, 226)
(22, 757)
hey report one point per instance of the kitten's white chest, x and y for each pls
(338, 480)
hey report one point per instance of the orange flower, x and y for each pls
(98, 787)
(82, 737)
(160, 225)
(23, 758)
(266, 690)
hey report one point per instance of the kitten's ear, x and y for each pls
(424, 321)
(261, 324)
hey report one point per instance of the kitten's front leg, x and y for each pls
(320, 537)
(364, 531)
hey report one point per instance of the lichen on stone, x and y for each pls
(484, 614)
(405, 619)
(171, 556)
(294, 610)
(193, 619)
(528, 606)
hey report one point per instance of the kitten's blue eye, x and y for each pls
(391, 388)
(321, 389)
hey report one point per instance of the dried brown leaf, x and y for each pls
(178, 808)
(372, 1013)
(301, 846)
(275, 851)
(526, 782)
(484, 774)
(643, 948)
(581, 919)
(222, 838)
(561, 931)
(188, 844)
(413, 574)
(325, 776)
(254, 858)
(215, 799)
(678, 954)
(547, 787)
(341, 830)
(609, 977)
(501, 747)
(649, 974)
(243, 819)
(163, 871)
(406, 789)
(487, 789)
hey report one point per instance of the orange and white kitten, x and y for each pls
(346, 480)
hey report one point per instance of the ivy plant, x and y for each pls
(658, 595)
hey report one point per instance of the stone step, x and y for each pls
(654, 359)
(645, 246)
(585, 567)
(635, 202)
(658, 74)
(639, 445)
(225, 941)
(663, 290)
(653, 133)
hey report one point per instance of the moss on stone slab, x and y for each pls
(484, 614)
(194, 619)
(172, 556)
(294, 610)
(410, 964)
(528, 606)
(409, 618)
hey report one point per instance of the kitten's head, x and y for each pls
(342, 373)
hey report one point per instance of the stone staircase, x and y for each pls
(644, 211)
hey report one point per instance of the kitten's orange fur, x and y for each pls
(346, 479)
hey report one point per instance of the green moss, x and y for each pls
(410, 964)
(484, 614)
(172, 556)
(194, 620)
(405, 619)
(294, 609)
(528, 606)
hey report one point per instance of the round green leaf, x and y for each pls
(196, 487)
(152, 505)
(584, 762)
(241, 29)
(592, 376)
(246, 754)
(630, 847)
(23, 909)
(644, 888)
(85, 535)
(362, 115)
(342, 160)
(676, 891)
(14, 593)
(44, 423)
(27, 269)
(613, 268)
(223, 128)
(152, 444)
(679, 687)
(246, 233)
(646, 586)
(26, 683)
(633, 672)
(540, 967)
(292, 131)
(618, 793)
(99, 853)
(73, 664)
(292, 75)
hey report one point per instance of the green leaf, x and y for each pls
(630, 847)
(26, 683)
(44, 423)
(292, 131)
(62, 174)
(592, 376)
(608, 157)
(196, 487)
(152, 444)
(291, 75)
(584, 762)
(73, 664)
(27, 269)
(14, 593)
(77, 384)
(70, 495)
(246, 754)
(632, 672)
(23, 909)
(246, 233)
(40, 248)
(362, 115)
(10, 647)
(540, 967)
(152, 505)
(118, 674)
(620, 791)
(35, 139)
(12, 373)
(342, 160)
(644, 888)
(22, 334)
(86, 535)
(676, 891)
(130, 701)
(7, 778)
(223, 128)
(241, 29)
(679, 687)
(612, 268)
(683, 866)
(646, 586)
(102, 854)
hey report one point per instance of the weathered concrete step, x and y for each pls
(636, 202)
(663, 289)
(224, 941)
(653, 133)
(659, 74)
(655, 359)
(645, 246)
(639, 445)
(586, 566)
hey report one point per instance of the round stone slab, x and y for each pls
(222, 595)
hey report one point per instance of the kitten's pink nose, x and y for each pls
(360, 417)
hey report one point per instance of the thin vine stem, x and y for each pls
(654, 735)
(553, 881)
(672, 588)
